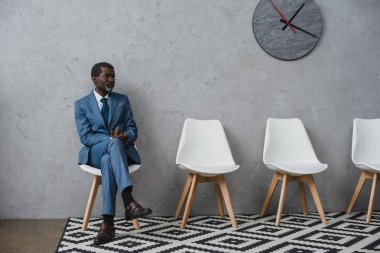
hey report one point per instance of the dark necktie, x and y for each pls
(105, 111)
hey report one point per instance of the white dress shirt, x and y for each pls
(100, 103)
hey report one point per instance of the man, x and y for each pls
(107, 130)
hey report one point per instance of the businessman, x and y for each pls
(108, 131)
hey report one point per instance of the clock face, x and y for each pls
(287, 29)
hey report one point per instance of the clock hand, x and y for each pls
(302, 30)
(282, 16)
(294, 15)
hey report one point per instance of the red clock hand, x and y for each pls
(282, 16)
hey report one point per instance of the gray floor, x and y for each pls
(30, 235)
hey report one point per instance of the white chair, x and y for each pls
(366, 156)
(97, 180)
(289, 153)
(205, 153)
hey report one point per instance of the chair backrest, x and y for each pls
(204, 142)
(366, 141)
(287, 142)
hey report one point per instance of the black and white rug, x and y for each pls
(296, 233)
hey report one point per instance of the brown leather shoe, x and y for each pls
(106, 234)
(134, 210)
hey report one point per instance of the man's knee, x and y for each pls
(115, 143)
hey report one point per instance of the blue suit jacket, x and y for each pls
(92, 129)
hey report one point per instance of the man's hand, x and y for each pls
(118, 134)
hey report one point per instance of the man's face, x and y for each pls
(105, 82)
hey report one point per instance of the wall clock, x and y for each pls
(287, 29)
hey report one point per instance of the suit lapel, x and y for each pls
(113, 105)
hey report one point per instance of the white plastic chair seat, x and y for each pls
(204, 149)
(97, 172)
(209, 170)
(288, 151)
(204, 152)
(298, 169)
(365, 156)
(374, 167)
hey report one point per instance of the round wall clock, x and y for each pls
(287, 29)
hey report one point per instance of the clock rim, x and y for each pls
(312, 49)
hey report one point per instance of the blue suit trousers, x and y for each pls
(109, 156)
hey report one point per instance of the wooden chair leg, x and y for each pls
(303, 198)
(271, 189)
(317, 200)
(227, 200)
(219, 200)
(90, 202)
(282, 199)
(136, 224)
(190, 199)
(183, 196)
(372, 198)
(358, 189)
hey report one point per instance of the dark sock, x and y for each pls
(108, 219)
(127, 196)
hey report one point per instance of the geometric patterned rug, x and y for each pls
(296, 233)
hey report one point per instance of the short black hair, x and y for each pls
(97, 68)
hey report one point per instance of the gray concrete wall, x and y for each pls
(177, 59)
